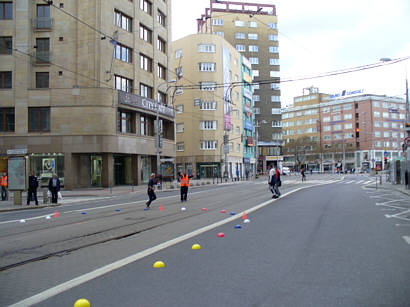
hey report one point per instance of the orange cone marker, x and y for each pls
(56, 214)
(161, 208)
(244, 216)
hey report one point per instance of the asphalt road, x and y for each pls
(320, 246)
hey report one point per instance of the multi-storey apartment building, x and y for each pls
(359, 132)
(211, 138)
(252, 30)
(82, 83)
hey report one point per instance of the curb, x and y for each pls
(23, 207)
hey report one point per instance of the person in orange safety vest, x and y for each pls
(184, 186)
(4, 187)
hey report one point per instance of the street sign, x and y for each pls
(386, 153)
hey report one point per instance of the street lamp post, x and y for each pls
(257, 142)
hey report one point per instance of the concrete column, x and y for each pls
(107, 170)
(135, 170)
(69, 173)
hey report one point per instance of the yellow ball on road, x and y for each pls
(196, 246)
(82, 302)
(159, 264)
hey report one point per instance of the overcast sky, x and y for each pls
(318, 36)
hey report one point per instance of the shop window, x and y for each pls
(45, 165)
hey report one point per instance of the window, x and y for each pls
(275, 86)
(5, 79)
(180, 146)
(272, 37)
(161, 72)
(6, 10)
(206, 66)
(124, 122)
(161, 45)
(239, 35)
(273, 49)
(7, 120)
(347, 107)
(253, 48)
(257, 110)
(123, 21)
(240, 48)
(42, 80)
(43, 16)
(39, 119)
(238, 147)
(43, 50)
(255, 73)
(207, 125)
(123, 53)
(394, 115)
(252, 24)
(299, 122)
(161, 18)
(386, 134)
(206, 48)
(326, 119)
(326, 137)
(146, 6)
(180, 128)
(178, 53)
(6, 45)
(207, 105)
(376, 114)
(348, 136)
(179, 108)
(337, 108)
(386, 144)
(326, 128)
(337, 127)
(274, 74)
(276, 123)
(275, 98)
(308, 112)
(394, 125)
(239, 23)
(337, 117)
(272, 25)
(256, 98)
(348, 116)
(273, 61)
(256, 86)
(162, 97)
(123, 84)
(378, 144)
(377, 134)
(145, 90)
(348, 126)
(394, 135)
(209, 145)
(385, 125)
(376, 104)
(385, 105)
(145, 34)
(254, 60)
(222, 34)
(275, 110)
(145, 63)
(402, 116)
(207, 86)
(253, 36)
(337, 136)
(217, 22)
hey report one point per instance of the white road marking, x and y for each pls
(37, 298)
(396, 207)
(407, 239)
(402, 225)
(388, 209)
(392, 201)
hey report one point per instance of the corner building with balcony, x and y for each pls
(251, 28)
(214, 105)
(82, 100)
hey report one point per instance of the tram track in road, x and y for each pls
(60, 247)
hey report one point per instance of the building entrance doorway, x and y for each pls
(96, 167)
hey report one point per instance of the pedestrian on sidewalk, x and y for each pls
(184, 185)
(151, 190)
(4, 186)
(274, 181)
(302, 172)
(237, 174)
(32, 188)
(54, 188)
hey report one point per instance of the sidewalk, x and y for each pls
(88, 194)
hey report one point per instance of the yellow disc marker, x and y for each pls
(196, 246)
(82, 302)
(159, 264)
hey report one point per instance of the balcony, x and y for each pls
(41, 58)
(42, 23)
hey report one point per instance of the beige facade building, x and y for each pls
(252, 30)
(358, 132)
(81, 99)
(210, 108)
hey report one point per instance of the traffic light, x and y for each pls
(386, 160)
(226, 139)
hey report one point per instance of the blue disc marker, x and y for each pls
(238, 226)
(118, 210)
(83, 212)
(233, 213)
